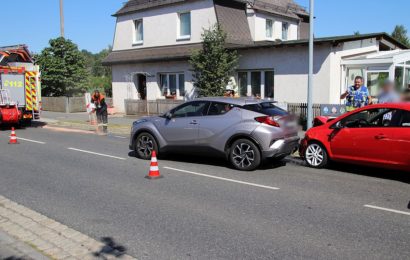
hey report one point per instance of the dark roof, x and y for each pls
(287, 8)
(182, 52)
(233, 20)
(137, 5)
(176, 52)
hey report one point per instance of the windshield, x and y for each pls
(266, 108)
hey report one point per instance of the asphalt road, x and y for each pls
(202, 209)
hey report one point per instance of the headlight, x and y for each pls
(140, 121)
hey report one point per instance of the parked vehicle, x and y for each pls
(244, 131)
(20, 77)
(376, 135)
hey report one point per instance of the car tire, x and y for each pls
(145, 143)
(244, 155)
(316, 155)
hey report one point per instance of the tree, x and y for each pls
(213, 65)
(100, 76)
(356, 33)
(63, 69)
(400, 34)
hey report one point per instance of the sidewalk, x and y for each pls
(12, 249)
(117, 124)
(26, 234)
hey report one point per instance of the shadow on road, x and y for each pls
(372, 172)
(35, 124)
(110, 249)
(211, 160)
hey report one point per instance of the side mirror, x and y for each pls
(338, 125)
(168, 115)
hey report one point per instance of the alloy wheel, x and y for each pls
(145, 146)
(314, 155)
(243, 155)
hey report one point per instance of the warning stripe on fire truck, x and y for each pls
(29, 93)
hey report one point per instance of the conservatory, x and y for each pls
(376, 68)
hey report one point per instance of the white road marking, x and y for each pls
(224, 179)
(29, 140)
(100, 154)
(117, 136)
(390, 210)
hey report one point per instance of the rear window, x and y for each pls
(266, 108)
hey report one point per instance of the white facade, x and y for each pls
(161, 25)
(278, 70)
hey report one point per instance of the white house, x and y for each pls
(154, 39)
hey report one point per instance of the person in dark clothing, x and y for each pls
(101, 110)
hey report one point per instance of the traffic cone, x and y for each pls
(13, 137)
(153, 169)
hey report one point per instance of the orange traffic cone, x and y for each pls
(13, 137)
(153, 169)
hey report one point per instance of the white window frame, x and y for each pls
(249, 79)
(272, 29)
(167, 74)
(287, 31)
(135, 41)
(179, 36)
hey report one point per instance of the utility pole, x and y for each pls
(61, 19)
(310, 78)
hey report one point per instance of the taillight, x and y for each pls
(268, 120)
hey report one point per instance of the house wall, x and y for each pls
(291, 71)
(257, 24)
(161, 25)
(125, 87)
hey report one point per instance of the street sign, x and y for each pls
(332, 110)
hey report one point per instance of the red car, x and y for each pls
(376, 135)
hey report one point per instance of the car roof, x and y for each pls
(236, 101)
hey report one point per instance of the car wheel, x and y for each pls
(316, 155)
(144, 145)
(245, 155)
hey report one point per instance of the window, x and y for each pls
(269, 84)
(375, 80)
(139, 32)
(380, 117)
(266, 108)
(196, 108)
(184, 25)
(172, 84)
(243, 83)
(269, 28)
(217, 108)
(285, 30)
(256, 84)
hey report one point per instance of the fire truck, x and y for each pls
(20, 89)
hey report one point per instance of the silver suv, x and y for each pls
(245, 131)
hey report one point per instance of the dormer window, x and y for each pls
(285, 31)
(269, 29)
(139, 31)
(184, 26)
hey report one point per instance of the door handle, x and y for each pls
(380, 137)
(193, 122)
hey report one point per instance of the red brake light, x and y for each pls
(267, 120)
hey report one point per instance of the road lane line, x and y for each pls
(224, 179)
(121, 137)
(100, 154)
(29, 140)
(390, 210)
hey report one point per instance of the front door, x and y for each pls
(182, 128)
(366, 137)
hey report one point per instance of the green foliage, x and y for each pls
(400, 34)
(63, 69)
(213, 65)
(100, 76)
(357, 33)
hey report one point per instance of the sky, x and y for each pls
(90, 25)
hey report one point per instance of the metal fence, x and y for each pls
(300, 109)
(151, 107)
